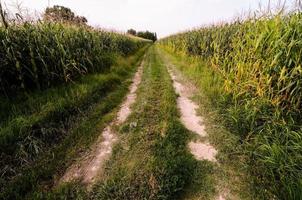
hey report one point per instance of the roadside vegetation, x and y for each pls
(251, 71)
(48, 129)
(59, 83)
(38, 56)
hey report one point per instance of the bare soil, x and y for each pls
(193, 122)
(202, 150)
(89, 167)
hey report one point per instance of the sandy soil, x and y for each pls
(189, 117)
(201, 150)
(90, 166)
(125, 110)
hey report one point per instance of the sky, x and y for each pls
(164, 17)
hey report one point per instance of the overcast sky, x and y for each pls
(162, 16)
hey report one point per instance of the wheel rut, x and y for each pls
(190, 119)
(90, 166)
(201, 149)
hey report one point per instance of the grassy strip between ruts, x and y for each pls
(78, 128)
(152, 160)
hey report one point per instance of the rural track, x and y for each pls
(201, 149)
(89, 167)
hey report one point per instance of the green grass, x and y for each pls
(231, 173)
(254, 80)
(55, 126)
(151, 160)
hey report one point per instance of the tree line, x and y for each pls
(143, 34)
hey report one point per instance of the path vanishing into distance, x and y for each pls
(211, 113)
(157, 146)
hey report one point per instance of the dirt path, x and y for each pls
(189, 117)
(90, 166)
(201, 148)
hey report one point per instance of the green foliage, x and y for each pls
(259, 62)
(147, 35)
(38, 56)
(44, 131)
(131, 32)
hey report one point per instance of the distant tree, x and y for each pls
(80, 20)
(63, 14)
(131, 31)
(147, 35)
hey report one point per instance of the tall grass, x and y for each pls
(37, 56)
(259, 60)
(57, 81)
(45, 131)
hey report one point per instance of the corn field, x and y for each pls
(259, 60)
(37, 56)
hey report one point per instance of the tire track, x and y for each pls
(190, 119)
(90, 166)
(202, 150)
